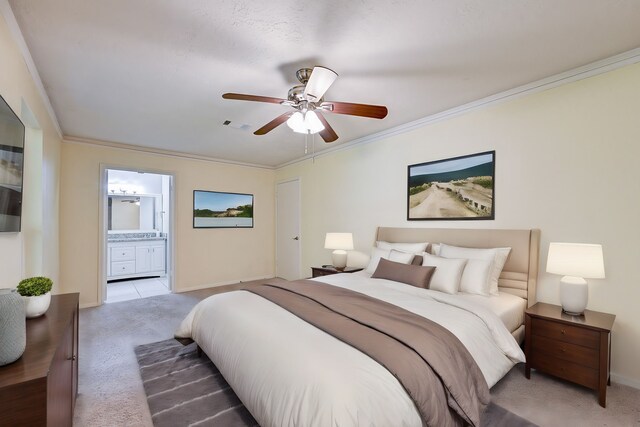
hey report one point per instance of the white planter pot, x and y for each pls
(36, 306)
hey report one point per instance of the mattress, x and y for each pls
(509, 308)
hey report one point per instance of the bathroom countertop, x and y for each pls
(136, 239)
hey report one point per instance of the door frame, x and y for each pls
(103, 219)
(284, 181)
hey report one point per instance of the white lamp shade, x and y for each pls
(305, 123)
(576, 259)
(342, 241)
(296, 121)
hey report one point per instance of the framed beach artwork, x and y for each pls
(459, 188)
(213, 209)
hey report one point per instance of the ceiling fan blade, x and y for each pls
(321, 79)
(274, 123)
(256, 98)
(328, 134)
(362, 110)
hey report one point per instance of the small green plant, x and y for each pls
(34, 286)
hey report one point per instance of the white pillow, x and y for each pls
(414, 248)
(401, 257)
(376, 254)
(390, 254)
(498, 256)
(448, 272)
(475, 277)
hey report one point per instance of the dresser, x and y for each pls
(40, 388)
(574, 348)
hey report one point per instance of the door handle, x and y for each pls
(296, 238)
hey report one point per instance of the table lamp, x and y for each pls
(341, 243)
(575, 261)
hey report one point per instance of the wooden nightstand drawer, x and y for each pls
(566, 370)
(562, 350)
(566, 333)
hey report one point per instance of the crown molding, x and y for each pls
(158, 151)
(576, 74)
(14, 28)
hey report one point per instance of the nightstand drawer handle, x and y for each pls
(562, 331)
(563, 350)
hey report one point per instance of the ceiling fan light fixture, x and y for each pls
(305, 123)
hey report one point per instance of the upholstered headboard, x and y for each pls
(520, 272)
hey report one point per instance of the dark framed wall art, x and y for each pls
(214, 209)
(459, 188)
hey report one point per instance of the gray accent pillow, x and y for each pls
(414, 275)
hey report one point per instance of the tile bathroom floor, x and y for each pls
(135, 289)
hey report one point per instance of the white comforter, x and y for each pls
(289, 373)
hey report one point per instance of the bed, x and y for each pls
(288, 372)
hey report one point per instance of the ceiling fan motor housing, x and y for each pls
(296, 93)
(303, 75)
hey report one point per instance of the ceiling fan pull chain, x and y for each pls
(306, 143)
(313, 149)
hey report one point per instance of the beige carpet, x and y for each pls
(111, 392)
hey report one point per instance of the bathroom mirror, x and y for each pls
(134, 212)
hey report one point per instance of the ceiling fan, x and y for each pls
(308, 105)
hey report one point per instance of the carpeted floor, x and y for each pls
(111, 391)
(184, 389)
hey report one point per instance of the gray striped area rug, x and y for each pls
(186, 390)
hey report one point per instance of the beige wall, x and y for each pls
(42, 176)
(204, 257)
(567, 163)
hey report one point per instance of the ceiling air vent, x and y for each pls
(236, 125)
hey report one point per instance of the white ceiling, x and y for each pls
(152, 72)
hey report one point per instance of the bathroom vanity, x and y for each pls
(132, 255)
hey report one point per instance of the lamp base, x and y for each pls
(571, 313)
(574, 295)
(339, 259)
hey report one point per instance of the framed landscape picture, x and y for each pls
(213, 209)
(460, 188)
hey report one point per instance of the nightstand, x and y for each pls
(326, 271)
(574, 348)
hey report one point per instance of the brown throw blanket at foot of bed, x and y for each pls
(433, 366)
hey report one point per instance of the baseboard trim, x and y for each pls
(89, 305)
(619, 379)
(217, 284)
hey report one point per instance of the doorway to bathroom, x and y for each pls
(138, 234)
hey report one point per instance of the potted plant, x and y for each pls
(36, 292)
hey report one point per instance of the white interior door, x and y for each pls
(288, 230)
